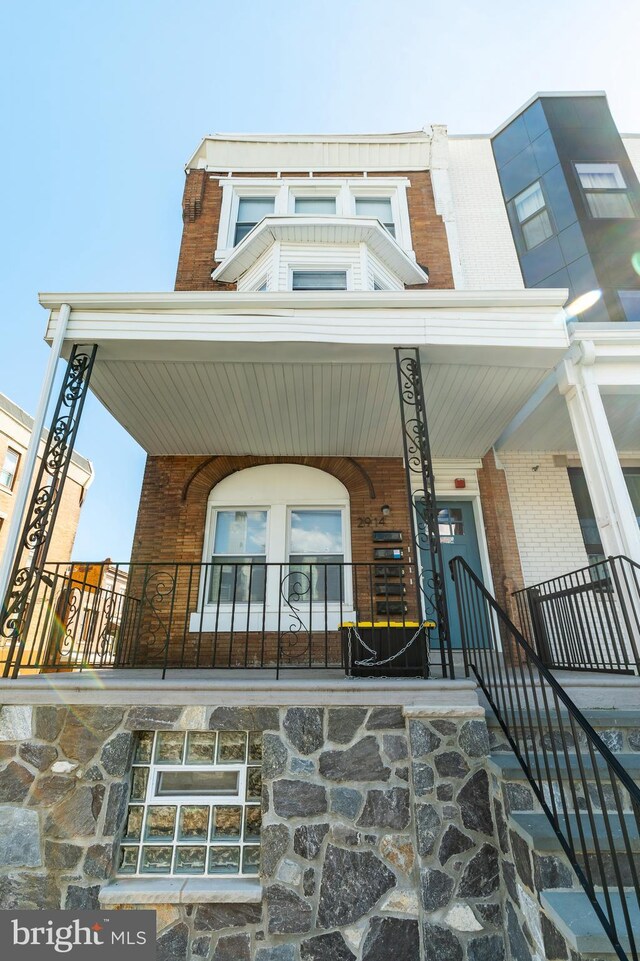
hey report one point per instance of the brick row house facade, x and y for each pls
(387, 359)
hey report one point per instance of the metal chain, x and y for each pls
(370, 661)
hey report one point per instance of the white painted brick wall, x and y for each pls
(487, 252)
(544, 514)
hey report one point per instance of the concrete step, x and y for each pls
(507, 766)
(571, 912)
(620, 730)
(618, 868)
(536, 829)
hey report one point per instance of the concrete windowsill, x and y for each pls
(181, 891)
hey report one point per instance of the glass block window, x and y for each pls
(194, 805)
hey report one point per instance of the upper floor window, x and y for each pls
(315, 205)
(531, 211)
(379, 207)
(319, 280)
(605, 190)
(251, 210)
(9, 468)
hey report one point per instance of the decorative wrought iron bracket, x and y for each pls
(18, 605)
(421, 494)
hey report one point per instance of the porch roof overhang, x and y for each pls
(543, 423)
(320, 230)
(297, 374)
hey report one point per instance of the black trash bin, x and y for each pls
(365, 644)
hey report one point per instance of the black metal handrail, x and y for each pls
(230, 614)
(569, 767)
(586, 620)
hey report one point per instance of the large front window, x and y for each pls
(239, 547)
(277, 535)
(316, 553)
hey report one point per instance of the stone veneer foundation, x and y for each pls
(380, 838)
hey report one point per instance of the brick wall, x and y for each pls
(173, 503)
(201, 205)
(171, 527)
(500, 532)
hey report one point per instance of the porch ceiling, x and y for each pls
(286, 409)
(548, 428)
(280, 375)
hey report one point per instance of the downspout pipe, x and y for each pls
(30, 460)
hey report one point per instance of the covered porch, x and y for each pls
(214, 386)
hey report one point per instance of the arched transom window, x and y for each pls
(275, 522)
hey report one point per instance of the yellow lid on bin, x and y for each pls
(427, 624)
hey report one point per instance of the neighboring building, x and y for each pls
(338, 298)
(15, 433)
(573, 198)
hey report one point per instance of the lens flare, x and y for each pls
(582, 303)
(635, 261)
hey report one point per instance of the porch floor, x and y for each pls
(320, 687)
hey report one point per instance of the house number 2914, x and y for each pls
(371, 521)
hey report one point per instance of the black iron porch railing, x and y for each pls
(587, 620)
(232, 614)
(591, 801)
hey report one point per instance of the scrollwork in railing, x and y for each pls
(425, 536)
(106, 636)
(155, 635)
(17, 606)
(294, 588)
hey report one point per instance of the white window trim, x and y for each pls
(320, 269)
(284, 191)
(210, 617)
(9, 488)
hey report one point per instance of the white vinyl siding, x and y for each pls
(320, 257)
(261, 270)
(377, 271)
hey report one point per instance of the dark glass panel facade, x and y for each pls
(543, 146)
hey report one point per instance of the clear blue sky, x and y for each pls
(103, 101)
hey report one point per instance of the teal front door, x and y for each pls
(458, 538)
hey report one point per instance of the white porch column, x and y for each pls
(608, 490)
